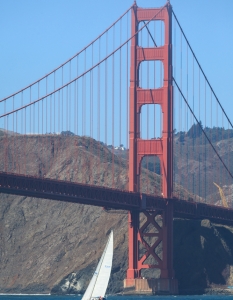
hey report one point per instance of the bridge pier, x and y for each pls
(151, 247)
(160, 286)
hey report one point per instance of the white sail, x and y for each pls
(99, 282)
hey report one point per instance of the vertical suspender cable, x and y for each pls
(141, 82)
(219, 178)
(228, 151)
(16, 145)
(81, 154)
(222, 139)
(205, 182)
(92, 116)
(55, 128)
(194, 137)
(30, 121)
(8, 144)
(211, 126)
(38, 130)
(58, 144)
(62, 137)
(186, 109)
(154, 111)
(200, 135)
(46, 136)
(155, 158)
(181, 115)
(98, 114)
(53, 137)
(72, 118)
(13, 142)
(84, 104)
(147, 121)
(127, 90)
(42, 139)
(50, 110)
(174, 105)
(71, 143)
(22, 140)
(25, 139)
(113, 152)
(106, 101)
(70, 99)
(34, 119)
(75, 128)
(68, 137)
(84, 112)
(76, 102)
(5, 140)
(77, 117)
(91, 134)
(161, 83)
(26, 142)
(120, 120)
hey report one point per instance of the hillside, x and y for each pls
(51, 246)
(197, 165)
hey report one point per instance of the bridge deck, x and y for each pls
(107, 197)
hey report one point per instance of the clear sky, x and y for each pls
(37, 36)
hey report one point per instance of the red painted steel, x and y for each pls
(163, 147)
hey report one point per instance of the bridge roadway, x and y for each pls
(111, 198)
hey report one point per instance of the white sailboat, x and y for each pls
(99, 282)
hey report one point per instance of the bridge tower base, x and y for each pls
(160, 286)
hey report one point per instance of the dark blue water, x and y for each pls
(75, 297)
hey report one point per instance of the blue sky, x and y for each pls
(37, 36)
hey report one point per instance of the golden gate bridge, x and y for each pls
(134, 101)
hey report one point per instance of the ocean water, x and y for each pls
(75, 297)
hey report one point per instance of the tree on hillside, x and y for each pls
(195, 131)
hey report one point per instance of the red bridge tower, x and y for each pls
(163, 148)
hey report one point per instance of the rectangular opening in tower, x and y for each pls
(151, 122)
(151, 34)
(151, 74)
